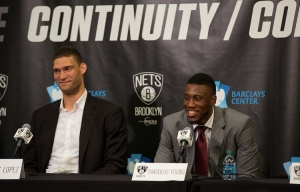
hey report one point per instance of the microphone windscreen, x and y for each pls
(187, 135)
(187, 128)
(26, 125)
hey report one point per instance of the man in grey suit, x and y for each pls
(226, 129)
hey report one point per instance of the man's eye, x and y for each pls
(55, 71)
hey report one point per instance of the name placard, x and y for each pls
(161, 172)
(11, 169)
(295, 173)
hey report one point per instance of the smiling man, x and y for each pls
(215, 131)
(79, 133)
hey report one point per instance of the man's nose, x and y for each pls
(191, 103)
(63, 75)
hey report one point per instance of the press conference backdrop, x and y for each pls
(141, 53)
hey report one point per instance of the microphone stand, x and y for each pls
(19, 150)
(182, 153)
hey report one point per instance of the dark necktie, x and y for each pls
(201, 159)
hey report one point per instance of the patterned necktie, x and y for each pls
(201, 159)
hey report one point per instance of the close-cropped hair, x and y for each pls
(68, 51)
(203, 79)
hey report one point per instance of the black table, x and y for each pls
(244, 185)
(82, 182)
(89, 183)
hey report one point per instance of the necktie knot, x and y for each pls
(201, 129)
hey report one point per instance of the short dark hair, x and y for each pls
(68, 51)
(203, 79)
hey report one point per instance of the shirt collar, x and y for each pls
(209, 122)
(78, 104)
(81, 101)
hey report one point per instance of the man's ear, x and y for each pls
(213, 100)
(83, 68)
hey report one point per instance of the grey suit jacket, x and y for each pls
(231, 130)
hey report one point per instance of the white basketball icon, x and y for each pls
(148, 93)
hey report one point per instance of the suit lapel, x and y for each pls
(217, 138)
(88, 118)
(48, 134)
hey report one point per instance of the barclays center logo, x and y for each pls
(56, 94)
(221, 92)
(242, 97)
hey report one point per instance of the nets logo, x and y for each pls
(184, 133)
(147, 86)
(135, 158)
(297, 170)
(28, 133)
(142, 169)
(221, 92)
(3, 85)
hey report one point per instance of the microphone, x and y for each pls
(23, 135)
(185, 139)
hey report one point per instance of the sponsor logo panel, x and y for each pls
(238, 97)
(148, 86)
(56, 94)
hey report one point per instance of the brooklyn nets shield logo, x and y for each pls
(3, 85)
(297, 170)
(142, 169)
(147, 86)
(184, 133)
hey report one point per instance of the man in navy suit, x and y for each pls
(79, 133)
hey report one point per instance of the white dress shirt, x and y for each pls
(65, 150)
(207, 134)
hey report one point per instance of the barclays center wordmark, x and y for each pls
(238, 97)
(148, 86)
(247, 97)
(56, 94)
